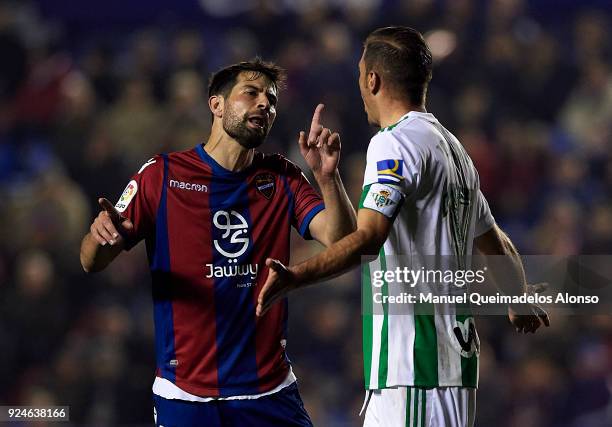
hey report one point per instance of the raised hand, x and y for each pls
(279, 282)
(321, 149)
(109, 224)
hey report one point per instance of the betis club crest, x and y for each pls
(382, 198)
(265, 184)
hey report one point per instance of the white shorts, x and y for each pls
(420, 407)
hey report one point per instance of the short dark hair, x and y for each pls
(223, 81)
(403, 60)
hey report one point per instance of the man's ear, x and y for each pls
(215, 103)
(374, 83)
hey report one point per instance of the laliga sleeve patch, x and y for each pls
(127, 196)
(382, 198)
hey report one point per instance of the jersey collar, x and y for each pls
(220, 170)
(427, 116)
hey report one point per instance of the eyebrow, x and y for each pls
(268, 92)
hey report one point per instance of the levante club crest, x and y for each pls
(265, 184)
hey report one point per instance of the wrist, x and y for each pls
(519, 309)
(299, 275)
(323, 178)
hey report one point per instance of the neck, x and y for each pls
(227, 151)
(394, 110)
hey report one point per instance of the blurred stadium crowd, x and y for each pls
(526, 86)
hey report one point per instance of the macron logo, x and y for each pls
(188, 186)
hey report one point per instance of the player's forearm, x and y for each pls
(338, 258)
(340, 217)
(507, 269)
(94, 256)
(503, 261)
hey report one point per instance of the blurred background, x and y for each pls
(91, 90)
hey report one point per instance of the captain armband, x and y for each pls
(382, 198)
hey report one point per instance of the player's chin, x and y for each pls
(253, 139)
(259, 133)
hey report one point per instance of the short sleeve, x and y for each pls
(140, 199)
(393, 163)
(307, 202)
(484, 218)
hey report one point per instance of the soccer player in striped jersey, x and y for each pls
(210, 217)
(421, 200)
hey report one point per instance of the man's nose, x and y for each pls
(263, 103)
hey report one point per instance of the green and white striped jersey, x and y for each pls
(421, 169)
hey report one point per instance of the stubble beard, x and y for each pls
(236, 127)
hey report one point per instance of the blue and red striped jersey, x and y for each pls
(208, 232)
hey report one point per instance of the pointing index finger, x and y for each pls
(316, 117)
(315, 125)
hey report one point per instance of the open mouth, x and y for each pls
(257, 122)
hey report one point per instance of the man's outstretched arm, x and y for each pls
(372, 231)
(103, 242)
